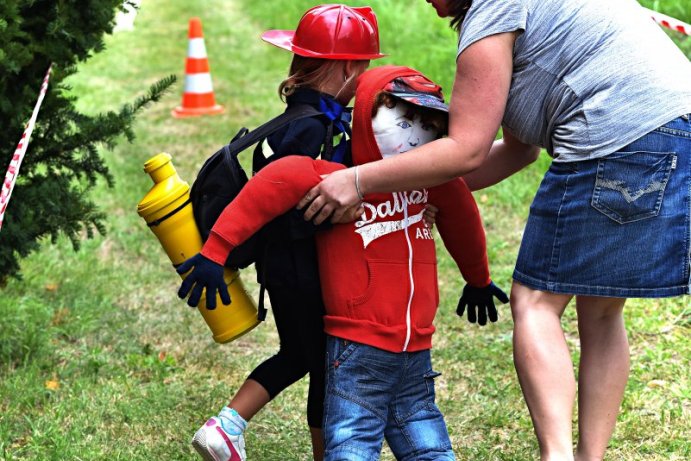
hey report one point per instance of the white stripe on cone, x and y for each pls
(198, 83)
(196, 48)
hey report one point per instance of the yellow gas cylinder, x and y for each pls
(167, 210)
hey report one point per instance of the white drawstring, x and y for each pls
(410, 271)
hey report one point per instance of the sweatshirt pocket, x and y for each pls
(426, 297)
(385, 297)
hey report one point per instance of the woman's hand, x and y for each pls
(334, 196)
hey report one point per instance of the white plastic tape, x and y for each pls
(669, 22)
(15, 163)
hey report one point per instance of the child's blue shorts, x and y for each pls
(614, 226)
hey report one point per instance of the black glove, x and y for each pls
(206, 274)
(480, 303)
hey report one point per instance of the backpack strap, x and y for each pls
(261, 309)
(245, 138)
(248, 138)
(327, 153)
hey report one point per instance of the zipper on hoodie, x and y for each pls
(410, 272)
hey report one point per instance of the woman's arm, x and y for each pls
(481, 87)
(506, 157)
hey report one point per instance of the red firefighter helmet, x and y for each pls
(331, 32)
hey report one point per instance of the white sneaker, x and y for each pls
(221, 437)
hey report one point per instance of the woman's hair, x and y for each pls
(438, 119)
(458, 10)
(306, 73)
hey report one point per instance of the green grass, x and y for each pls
(100, 360)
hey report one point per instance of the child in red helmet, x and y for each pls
(378, 274)
(332, 46)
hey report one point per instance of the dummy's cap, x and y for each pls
(419, 90)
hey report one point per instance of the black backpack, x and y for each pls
(222, 177)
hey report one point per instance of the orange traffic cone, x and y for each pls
(198, 97)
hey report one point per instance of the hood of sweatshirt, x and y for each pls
(370, 84)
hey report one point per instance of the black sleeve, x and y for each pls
(302, 137)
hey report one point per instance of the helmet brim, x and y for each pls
(280, 38)
(284, 39)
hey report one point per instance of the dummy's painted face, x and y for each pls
(395, 132)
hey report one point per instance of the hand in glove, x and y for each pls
(480, 303)
(206, 274)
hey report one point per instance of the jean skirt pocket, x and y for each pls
(630, 186)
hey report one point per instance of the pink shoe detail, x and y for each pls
(234, 455)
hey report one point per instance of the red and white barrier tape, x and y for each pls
(13, 169)
(669, 22)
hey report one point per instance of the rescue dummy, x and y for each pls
(378, 273)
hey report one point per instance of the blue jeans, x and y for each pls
(617, 226)
(372, 394)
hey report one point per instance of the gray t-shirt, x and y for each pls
(589, 76)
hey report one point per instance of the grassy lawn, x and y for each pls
(99, 359)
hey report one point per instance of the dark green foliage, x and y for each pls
(62, 163)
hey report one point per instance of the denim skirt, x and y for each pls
(615, 226)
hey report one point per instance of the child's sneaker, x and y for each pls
(220, 438)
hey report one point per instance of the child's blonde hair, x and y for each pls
(308, 73)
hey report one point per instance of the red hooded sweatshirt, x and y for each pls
(378, 274)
